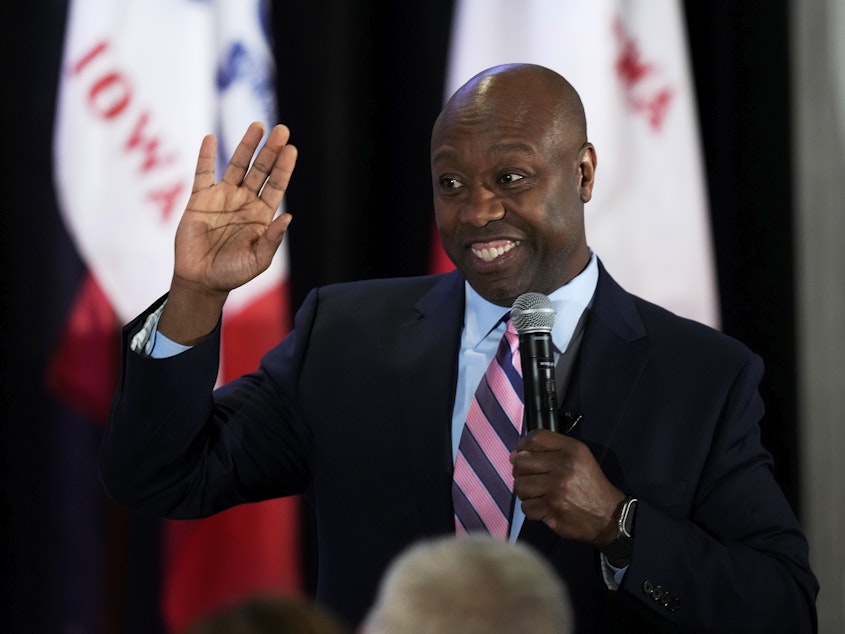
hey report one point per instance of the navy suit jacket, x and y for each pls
(353, 411)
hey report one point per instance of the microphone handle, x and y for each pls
(538, 377)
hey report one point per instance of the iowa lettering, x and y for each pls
(109, 97)
(645, 92)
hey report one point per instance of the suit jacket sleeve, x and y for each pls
(739, 562)
(173, 447)
(352, 410)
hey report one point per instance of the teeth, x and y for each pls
(488, 254)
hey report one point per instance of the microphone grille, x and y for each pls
(533, 312)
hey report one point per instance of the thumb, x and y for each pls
(272, 238)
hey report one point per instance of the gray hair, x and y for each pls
(471, 585)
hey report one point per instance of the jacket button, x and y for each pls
(661, 595)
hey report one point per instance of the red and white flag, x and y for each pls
(142, 82)
(649, 219)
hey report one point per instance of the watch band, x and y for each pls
(618, 552)
(626, 518)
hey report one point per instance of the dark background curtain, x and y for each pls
(359, 84)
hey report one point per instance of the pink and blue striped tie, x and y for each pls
(482, 486)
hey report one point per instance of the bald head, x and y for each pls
(516, 90)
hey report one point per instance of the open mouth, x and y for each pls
(489, 251)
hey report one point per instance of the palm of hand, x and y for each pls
(220, 237)
(229, 231)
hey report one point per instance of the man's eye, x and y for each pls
(510, 177)
(447, 182)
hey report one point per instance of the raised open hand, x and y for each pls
(229, 231)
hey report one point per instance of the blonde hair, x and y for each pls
(471, 585)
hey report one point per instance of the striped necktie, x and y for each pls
(482, 486)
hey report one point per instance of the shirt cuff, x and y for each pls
(149, 342)
(612, 575)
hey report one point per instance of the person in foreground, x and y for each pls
(658, 510)
(269, 614)
(473, 585)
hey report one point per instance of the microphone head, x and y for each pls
(533, 312)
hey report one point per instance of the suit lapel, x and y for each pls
(611, 362)
(428, 366)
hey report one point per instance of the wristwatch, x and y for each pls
(618, 552)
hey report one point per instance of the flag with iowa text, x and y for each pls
(142, 82)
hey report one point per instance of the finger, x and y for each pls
(535, 508)
(242, 156)
(272, 238)
(542, 440)
(529, 463)
(204, 175)
(277, 183)
(532, 486)
(266, 159)
(539, 511)
(268, 243)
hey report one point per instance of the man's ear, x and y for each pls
(587, 164)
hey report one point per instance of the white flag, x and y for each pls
(648, 220)
(142, 82)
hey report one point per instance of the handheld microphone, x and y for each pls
(533, 316)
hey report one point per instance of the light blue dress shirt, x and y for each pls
(483, 329)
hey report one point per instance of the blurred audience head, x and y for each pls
(470, 585)
(270, 614)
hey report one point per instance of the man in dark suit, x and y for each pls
(659, 509)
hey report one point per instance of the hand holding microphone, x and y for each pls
(533, 316)
(556, 477)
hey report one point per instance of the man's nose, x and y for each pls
(481, 207)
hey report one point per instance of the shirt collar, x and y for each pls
(570, 300)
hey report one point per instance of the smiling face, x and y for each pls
(511, 171)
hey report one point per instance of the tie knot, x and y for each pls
(511, 336)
